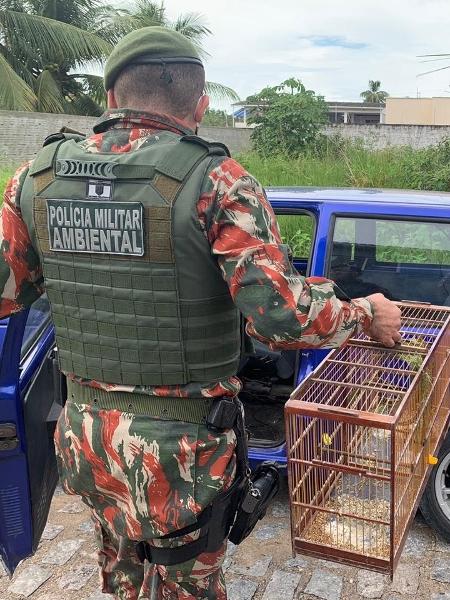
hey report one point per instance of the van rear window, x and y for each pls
(405, 260)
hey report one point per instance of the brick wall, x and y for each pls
(22, 133)
(381, 136)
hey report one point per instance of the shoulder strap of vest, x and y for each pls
(65, 133)
(214, 148)
(183, 156)
(42, 169)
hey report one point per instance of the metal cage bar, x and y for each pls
(359, 433)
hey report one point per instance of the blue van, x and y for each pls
(367, 241)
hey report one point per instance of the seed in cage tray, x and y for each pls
(349, 533)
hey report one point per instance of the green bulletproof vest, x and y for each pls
(136, 296)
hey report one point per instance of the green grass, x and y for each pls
(340, 163)
(349, 166)
(297, 231)
(344, 164)
(5, 174)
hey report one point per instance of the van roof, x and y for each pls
(360, 195)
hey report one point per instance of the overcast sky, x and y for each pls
(333, 47)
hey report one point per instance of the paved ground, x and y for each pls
(261, 568)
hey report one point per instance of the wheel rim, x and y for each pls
(442, 485)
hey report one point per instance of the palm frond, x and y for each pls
(84, 105)
(93, 85)
(151, 12)
(17, 65)
(68, 11)
(191, 25)
(111, 23)
(61, 41)
(48, 92)
(19, 5)
(219, 92)
(121, 23)
(144, 20)
(15, 94)
(144, 14)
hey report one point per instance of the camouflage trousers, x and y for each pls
(144, 478)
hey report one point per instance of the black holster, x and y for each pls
(237, 509)
(262, 486)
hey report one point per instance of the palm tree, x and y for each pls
(374, 94)
(148, 13)
(39, 50)
(44, 56)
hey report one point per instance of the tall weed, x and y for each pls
(347, 163)
(429, 168)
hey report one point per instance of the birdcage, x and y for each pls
(362, 431)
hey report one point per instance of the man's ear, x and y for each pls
(201, 108)
(111, 99)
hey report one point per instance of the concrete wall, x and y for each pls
(237, 140)
(418, 111)
(382, 136)
(22, 133)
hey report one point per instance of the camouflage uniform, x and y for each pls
(142, 480)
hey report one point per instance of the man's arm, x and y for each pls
(21, 281)
(282, 308)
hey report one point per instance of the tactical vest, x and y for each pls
(136, 296)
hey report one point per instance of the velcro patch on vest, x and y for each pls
(96, 227)
(99, 189)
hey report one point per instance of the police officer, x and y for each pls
(151, 243)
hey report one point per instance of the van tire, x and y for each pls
(431, 506)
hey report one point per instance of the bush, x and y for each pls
(288, 120)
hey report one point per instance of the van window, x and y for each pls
(297, 231)
(38, 319)
(403, 259)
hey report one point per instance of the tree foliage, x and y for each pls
(42, 44)
(48, 46)
(216, 118)
(374, 94)
(288, 118)
(148, 13)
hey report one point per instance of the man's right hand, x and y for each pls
(386, 321)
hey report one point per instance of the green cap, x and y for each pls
(149, 45)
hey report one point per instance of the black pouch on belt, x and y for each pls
(263, 485)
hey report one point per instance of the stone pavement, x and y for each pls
(262, 568)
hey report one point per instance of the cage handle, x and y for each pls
(338, 411)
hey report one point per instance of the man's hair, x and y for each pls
(173, 88)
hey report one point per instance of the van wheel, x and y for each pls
(435, 502)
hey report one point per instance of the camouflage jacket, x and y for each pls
(282, 308)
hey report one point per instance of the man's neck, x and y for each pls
(131, 117)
